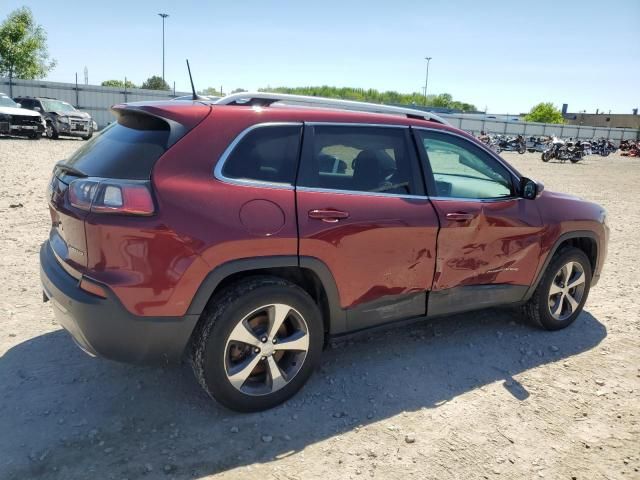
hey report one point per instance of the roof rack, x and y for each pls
(266, 99)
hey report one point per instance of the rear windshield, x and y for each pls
(126, 149)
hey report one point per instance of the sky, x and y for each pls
(504, 56)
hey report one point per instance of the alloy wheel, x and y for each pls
(266, 349)
(566, 291)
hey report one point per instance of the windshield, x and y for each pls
(7, 102)
(57, 106)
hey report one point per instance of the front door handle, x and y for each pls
(328, 215)
(459, 216)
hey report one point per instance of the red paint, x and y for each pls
(500, 243)
(384, 246)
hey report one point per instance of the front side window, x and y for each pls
(360, 159)
(462, 170)
(265, 154)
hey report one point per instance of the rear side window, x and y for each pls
(268, 153)
(360, 159)
(126, 149)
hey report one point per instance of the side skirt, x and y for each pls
(404, 310)
(473, 297)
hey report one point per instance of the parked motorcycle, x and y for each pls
(632, 149)
(512, 144)
(563, 151)
(537, 144)
(603, 147)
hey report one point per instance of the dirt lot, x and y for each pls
(478, 395)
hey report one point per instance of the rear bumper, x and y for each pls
(103, 327)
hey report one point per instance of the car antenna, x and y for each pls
(193, 89)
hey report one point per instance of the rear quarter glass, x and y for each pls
(127, 149)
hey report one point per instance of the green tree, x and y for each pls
(544, 113)
(118, 84)
(155, 83)
(211, 91)
(238, 90)
(23, 46)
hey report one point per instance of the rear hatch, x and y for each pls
(111, 173)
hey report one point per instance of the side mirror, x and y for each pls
(530, 189)
(37, 109)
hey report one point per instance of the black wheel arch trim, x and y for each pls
(559, 241)
(337, 320)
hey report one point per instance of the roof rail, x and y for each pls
(265, 99)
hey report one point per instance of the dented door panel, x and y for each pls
(499, 244)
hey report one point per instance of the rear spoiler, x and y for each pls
(179, 118)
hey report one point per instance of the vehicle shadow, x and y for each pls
(65, 415)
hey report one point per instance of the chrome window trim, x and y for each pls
(483, 200)
(360, 193)
(217, 171)
(354, 124)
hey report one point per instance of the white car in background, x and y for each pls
(19, 121)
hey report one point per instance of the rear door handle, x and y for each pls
(459, 216)
(328, 215)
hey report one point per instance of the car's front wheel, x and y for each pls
(51, 131)
(258, 343)
(562, 292)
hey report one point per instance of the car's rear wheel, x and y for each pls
(562, 292)
(257, 344)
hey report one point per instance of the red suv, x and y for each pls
(246, 231)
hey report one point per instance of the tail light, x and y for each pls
(125, 197)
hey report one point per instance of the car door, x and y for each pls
(363, 212)
(489, 243)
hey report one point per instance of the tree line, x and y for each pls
(389, 97)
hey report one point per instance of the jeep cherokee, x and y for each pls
(246, 232)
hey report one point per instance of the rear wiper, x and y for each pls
(69, 169)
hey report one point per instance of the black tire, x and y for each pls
(34, 136)
(546, 156)
(87, 137)
(537, 309)
(521, 149)
(51, 131)
(223, 314)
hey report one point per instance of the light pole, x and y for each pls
(163, 15)
(426, 81)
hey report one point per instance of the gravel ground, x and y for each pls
(479, 395)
